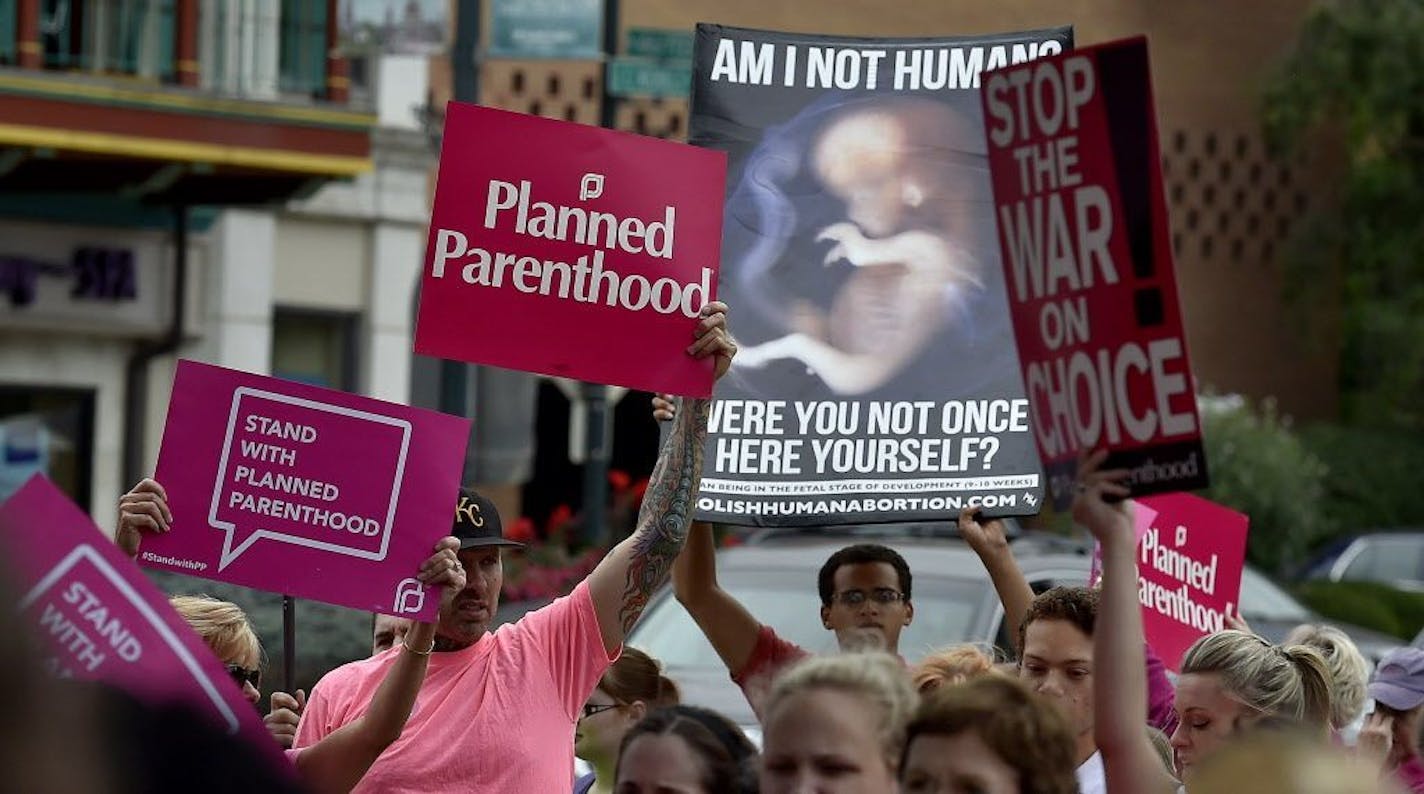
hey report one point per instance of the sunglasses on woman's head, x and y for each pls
(241, 675)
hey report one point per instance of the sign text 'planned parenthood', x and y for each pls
(571, 250)
(99, 619)
(305, 491)
(1087, 255)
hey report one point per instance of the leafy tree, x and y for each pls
(1356, 81)
(1259, 467)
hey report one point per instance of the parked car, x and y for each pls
(774, 576)
(1394, 558)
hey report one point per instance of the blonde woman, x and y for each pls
(338, 762)
(1230, 681)
(836, 725)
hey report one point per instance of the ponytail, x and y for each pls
(1316, 690)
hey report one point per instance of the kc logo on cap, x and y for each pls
(469, 510)
(477, 522)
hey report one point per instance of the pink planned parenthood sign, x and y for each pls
(1189, 563)
(306, 491)
(99, 619)
(571, 250)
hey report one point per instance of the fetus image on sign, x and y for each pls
(868, 216)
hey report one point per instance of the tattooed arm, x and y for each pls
(636, 568)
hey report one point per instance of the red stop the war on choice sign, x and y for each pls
(571, 250)
(1087, 255)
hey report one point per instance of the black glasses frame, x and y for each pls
(242, 675)
(880, 595)
(590, 709)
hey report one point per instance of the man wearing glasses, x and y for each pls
(865, 600)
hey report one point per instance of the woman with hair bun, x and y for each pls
(629, 690)
(1231, 681)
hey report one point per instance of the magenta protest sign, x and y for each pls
(98, 617)
(305, 491)
(571, 250)
(1189, 565)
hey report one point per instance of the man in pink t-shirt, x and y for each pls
(497, 710)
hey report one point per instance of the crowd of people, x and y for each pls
(1081, 703)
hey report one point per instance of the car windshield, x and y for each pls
(946, 611)
(1263, 600)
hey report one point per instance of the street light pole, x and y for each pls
(597, 449)
(454, 395)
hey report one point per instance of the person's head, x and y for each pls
(1289, 762)
(1233, 680)
(466, 617)
(865, 597)
(225, 629)
(685, 750)
(629, 689)
(386, 632)
(1349, 672)
(1397, 688)
(836, 723)
(989, 735)
(954, 664)
(1056, 653)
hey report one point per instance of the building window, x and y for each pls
(131, 37)
(302, 58)
(47, 431)
(237, 47)
(9, 12)
(314, 347)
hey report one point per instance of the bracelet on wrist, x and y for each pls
(406, 644)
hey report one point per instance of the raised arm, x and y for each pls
(633, 571)
(724, 621)
(1120, 696)
(338, 762)
(988, 540)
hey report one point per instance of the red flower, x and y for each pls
(619, 480)
(522, 531)
(560, 516)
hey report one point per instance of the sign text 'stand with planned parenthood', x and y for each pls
(1087, 254)
(305, 491)
(570, 250)
(99, 618)
(877, 378)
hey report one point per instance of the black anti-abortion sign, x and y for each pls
(877, 379)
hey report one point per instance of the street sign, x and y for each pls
(636, 78)
(667, 45)
(568, 29)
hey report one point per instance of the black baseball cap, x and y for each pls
(477, 522)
